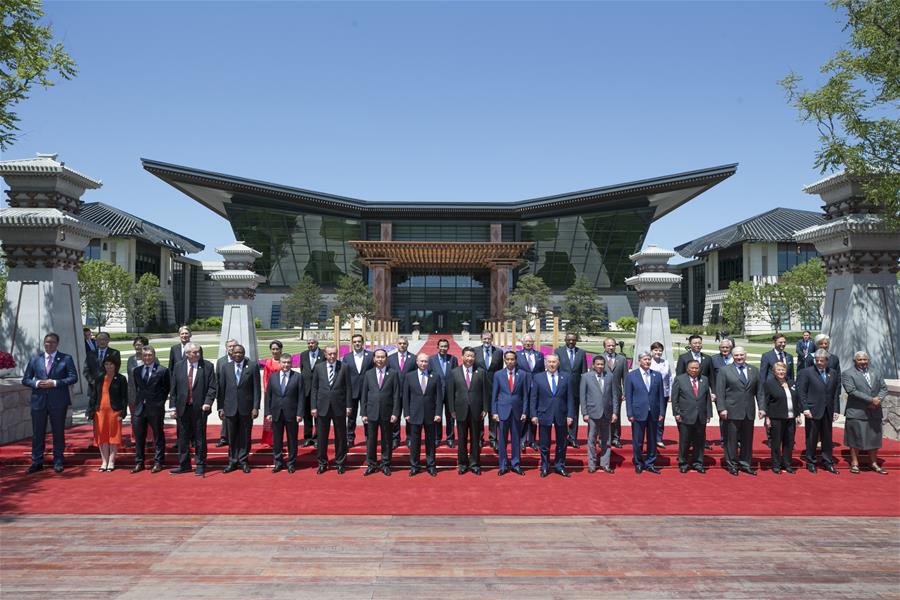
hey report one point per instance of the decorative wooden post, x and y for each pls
(337, 334)
(556, 332)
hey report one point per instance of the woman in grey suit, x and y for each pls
(866, 391)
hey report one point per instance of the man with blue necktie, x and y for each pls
(239, 397)
(441, 364)
(645, 406)
(805, 351)
(509, 395)
(529, 359)
(552, 404)
(49, 376)
(573, 362)
(819, 392)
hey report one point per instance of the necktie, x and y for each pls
(780, 357)
(423, 380)
(647, 380)
(284, 377)
(694, 385)
(312, 359)
(444, 365)
(487, 357)
(190, 394)
(531, 361)
(102, 354)
(741, 374)
(468, 379)
(600, 382)
(511, 381)
(553, 384)
(146, 374)
(402, 360)
(611, 361)
(49, 365)
(330, 374)
(824, 376)
(572, 358)
(237, 372)
(380, 378)
(866, 375)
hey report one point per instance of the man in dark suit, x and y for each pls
(737, 386)
(284, 396)
(224, 363)
(330, 399)
(357, 362)
(819, 392)
(191, 398)
(152, 385)
(775, 355)
(49, 376)
(239, 396)
(617, 367)
(422, 407)
(552, 404)
(691, 399)
(89, 344)
(645, 405)
(309, 358)
(93, 361)
(599, 408)
(176, 352)
(573, 362)
(402, 361)
(134, 361)
(805, 351)
(468, 405)
(716, 364)
(441, 364)
(489, 358)
(509, 396)
(531, 360)
(695, 353)
(380, 406)
(823, 342)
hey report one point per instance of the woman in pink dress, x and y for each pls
(272, 365)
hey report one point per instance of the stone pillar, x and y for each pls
(44, 241)
(381, 287)
(653, 283)
(239, 283)
(501, 275)
(862, 298)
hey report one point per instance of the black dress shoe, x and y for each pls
(179, 471)
(58, 468)
(221, 443)
(321, 469)
(607, 470)
(200, 472)
(432, 471)
(518, 471)
(277, 468)
(341, 470)
(811, 467)
(34, 468)
(616, 444)
(386, 470)
(732, 471)
(562, 472)
(790, 470)
(369, 471)
(776, 470)
(683, 468)
(395, 444)
(156, 468)
(544, 473)
(307, 443)
(229, 469)
(502, 472)
(707, 446)
(592, 469)
(451, 443)
(749, 471)
(522, 447)
(291, 468)
(137, 468)
(476, 470)
(638, 469)
(700, 469)
(831, 469)
(533, 446)
(462, 470)
(652, 469)
(413, 471)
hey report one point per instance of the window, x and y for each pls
(92, 252)
(791, 255)
(731, 266)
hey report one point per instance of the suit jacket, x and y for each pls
(640, 404)
(768, 360)
(692, 408)
(381, 403)
(421, 408)
(716, 364)
(62, 371)
(595, 403)
(618, 371)
(508, 403)
(548, 407)
(566, 367)
(803, 352)
(150, 396)
(705, 364)
(734, 395)
(774, 399)
(176, 356)
(434, 366)
(465, 400)
(132, 362)
(522, 361)
(93, 366)
(241, 397)
(821, 398)
(306, 370)
(860, 394)
(409, 363)
(118, 395)
(330, 400)
(356, 377)
(203, 390)
(284, 405)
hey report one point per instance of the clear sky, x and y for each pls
(446, 102)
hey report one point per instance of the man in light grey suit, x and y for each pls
(736, 401)
(617, 366)
(690, 406)
(599, 408)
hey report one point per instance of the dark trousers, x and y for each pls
(57, 416)
(351, 423)
(573, 428)
(279, 428)
(506, 429)
(691, 439)
(323, 428)
(451, 426)
(640, 430)
(415, 444)
(223, 431)
(559, 458)
(239, 427)
(616, 428)
(140, 424)
(819, 430)
(468, 452)
(661, 426)
(191, 430)
(308, 433)
(738, 432)
(781, 441)
(492, 431)
(527, 432)
(385, 427)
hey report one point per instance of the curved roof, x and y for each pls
(123, 224)
(776, 225)
(216, 190)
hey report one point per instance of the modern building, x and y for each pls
(758, 250)
(440, 264)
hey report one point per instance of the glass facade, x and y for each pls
(791, 255)
(146, 259)
(731, 266)
(441, 300)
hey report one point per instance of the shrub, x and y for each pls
(627, 323)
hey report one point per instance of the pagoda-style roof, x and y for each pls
(450, 255)
(47, 165)
(124, 224)
(217, 191)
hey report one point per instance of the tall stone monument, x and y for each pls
(862, 299)
(43, 242)
(238, 281)
(653, 283)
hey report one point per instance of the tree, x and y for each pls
(805, 288)
(772, 300)
(354, 298)
(145, 300)
(581, 308)
(302, 303)
(105, 287)
(529, 300)
(852, 110)
(740, 297)
(28, 57)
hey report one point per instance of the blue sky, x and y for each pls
(435, 101)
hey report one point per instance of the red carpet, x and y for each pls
(83, 490)
(431, 345)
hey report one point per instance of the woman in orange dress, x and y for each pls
(107, 407)
(272, 365)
